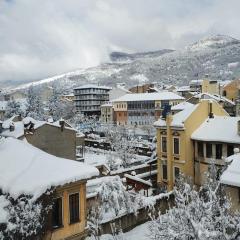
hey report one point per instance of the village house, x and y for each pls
(231, 179)
(28, 171)
(175, 149)
(143, 108)
(227, 104)
(214, 140)
(231, 90)
(58, 138)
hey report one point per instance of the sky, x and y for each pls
(41, 38)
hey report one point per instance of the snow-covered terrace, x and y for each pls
(26, 169)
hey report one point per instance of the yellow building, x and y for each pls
(231, 90)
(36, 173)
(205, 86)
(175, 149)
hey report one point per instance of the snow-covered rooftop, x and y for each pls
(19, 126)
(181, 106)
(109, 104)
(216, 97)
(26, 169)
(93, 86)
(218, 129)
(149, 97)
(179, 118)
(231, 176)
(183, 89)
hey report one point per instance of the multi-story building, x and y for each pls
(143, 108)
(89, 98)
(107, 113)
(232, 90)
(175, 149)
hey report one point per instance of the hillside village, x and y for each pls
(97, 161)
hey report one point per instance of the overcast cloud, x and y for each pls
(40, 38)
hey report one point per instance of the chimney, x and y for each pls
(1, 127)
(238, 127)
(210, 115)
(12, 127)
(62, 123)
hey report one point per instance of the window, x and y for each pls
(164, 144)
(176, 145)
(74, 207)
(230, 150)
(164, 172)
(209, 150)
(218, 151)
(57, 213)
(200, 149)
(176, 172)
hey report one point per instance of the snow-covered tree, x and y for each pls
(23, 218)
(13, 108)
(123, 146)
(112, 200)
(34, 108)
(202, 214)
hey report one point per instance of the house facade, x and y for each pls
(107, 113)
(175, 149)
(60, 141)
(143, 108)
(37, 172)
(89, 98)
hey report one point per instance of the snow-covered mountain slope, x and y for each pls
(217, 56)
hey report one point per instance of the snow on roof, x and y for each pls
(181, 106)
(196, 82)
(179, 118)
(19, 126)
(148, 97)
(138, 179)
(26, 169)
(183, 89)
(109, 104)
(212, 130)
(216, 97)
(231, 176)
(93, 86)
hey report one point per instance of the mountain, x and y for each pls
(122, 56)
(217, 56)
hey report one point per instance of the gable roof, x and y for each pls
(181, 106)
(212, 130)
(26, 169)
(179, 118)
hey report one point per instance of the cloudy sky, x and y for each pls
(40, 38)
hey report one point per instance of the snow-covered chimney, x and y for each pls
(210, 115)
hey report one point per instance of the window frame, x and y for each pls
(162, 144)
(208, 156)
(79, 206)
(178, 138)
(174, 176)
(164, 179)
(219, 144)
(202, 154)
(62, 211)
